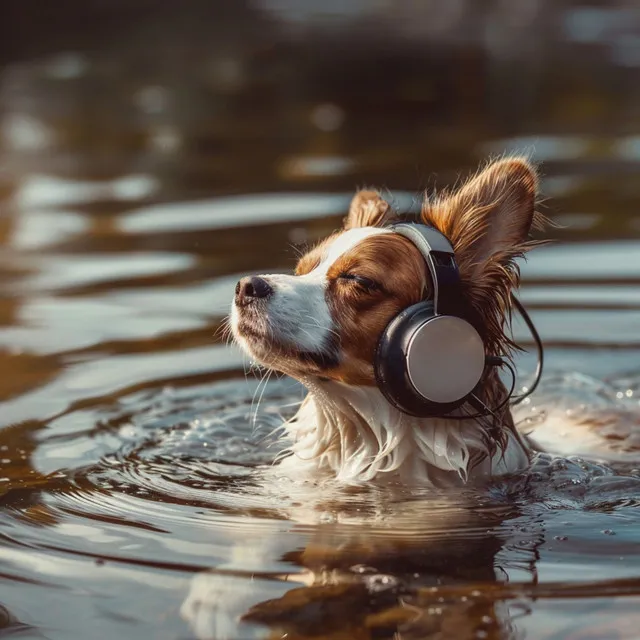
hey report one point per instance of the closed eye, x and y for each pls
(361, 281)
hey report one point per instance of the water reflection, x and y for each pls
(355, 580)
(391, 566)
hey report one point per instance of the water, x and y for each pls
(135, 443)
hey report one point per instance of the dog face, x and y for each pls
(326, 320)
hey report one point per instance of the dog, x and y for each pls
(378, 503)
(397, 525)
(322, 326)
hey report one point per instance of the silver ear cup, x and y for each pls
(445, 359)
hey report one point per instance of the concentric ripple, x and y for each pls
(201, 448)
(173, 482)
(196, 445)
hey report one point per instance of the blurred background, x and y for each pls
(154, 151)
(148, 145)
(213, 97)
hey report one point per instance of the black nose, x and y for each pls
(250, 289)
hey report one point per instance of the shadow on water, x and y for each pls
(150, 156)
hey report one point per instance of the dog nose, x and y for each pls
(250, 289)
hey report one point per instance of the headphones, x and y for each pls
(429, 358)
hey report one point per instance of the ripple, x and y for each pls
(177, 481)
(162, 453)
(575, 414)
(38, 191)
(242, 211)
(583, 261)
(233, 211)
(59, 273)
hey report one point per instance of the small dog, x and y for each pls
(322, 326)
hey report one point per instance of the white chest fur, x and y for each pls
(354, 433)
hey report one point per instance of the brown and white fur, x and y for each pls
(321, 326)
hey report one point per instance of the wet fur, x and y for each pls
(345, 426)
(353, 433)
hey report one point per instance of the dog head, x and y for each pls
(325, 321)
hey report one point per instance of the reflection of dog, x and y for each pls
(384, 570)
(323, 326)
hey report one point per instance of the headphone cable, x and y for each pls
(539, 347)
(497, 361)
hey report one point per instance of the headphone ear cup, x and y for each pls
(427, 365)
(390, 367)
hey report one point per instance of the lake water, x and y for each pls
(132, 437)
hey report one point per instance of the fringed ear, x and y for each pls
(368, 209)
(488, 221)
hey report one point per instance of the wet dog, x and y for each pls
(322, 326)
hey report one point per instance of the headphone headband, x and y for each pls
(439, 256)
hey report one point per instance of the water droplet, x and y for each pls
(381, 582)
(327, 518)
(362, 568)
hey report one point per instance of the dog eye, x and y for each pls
(361, 281)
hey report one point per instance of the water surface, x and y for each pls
(133, 438)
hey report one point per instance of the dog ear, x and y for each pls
(488, 221)
(490, 217)
(368, 209)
